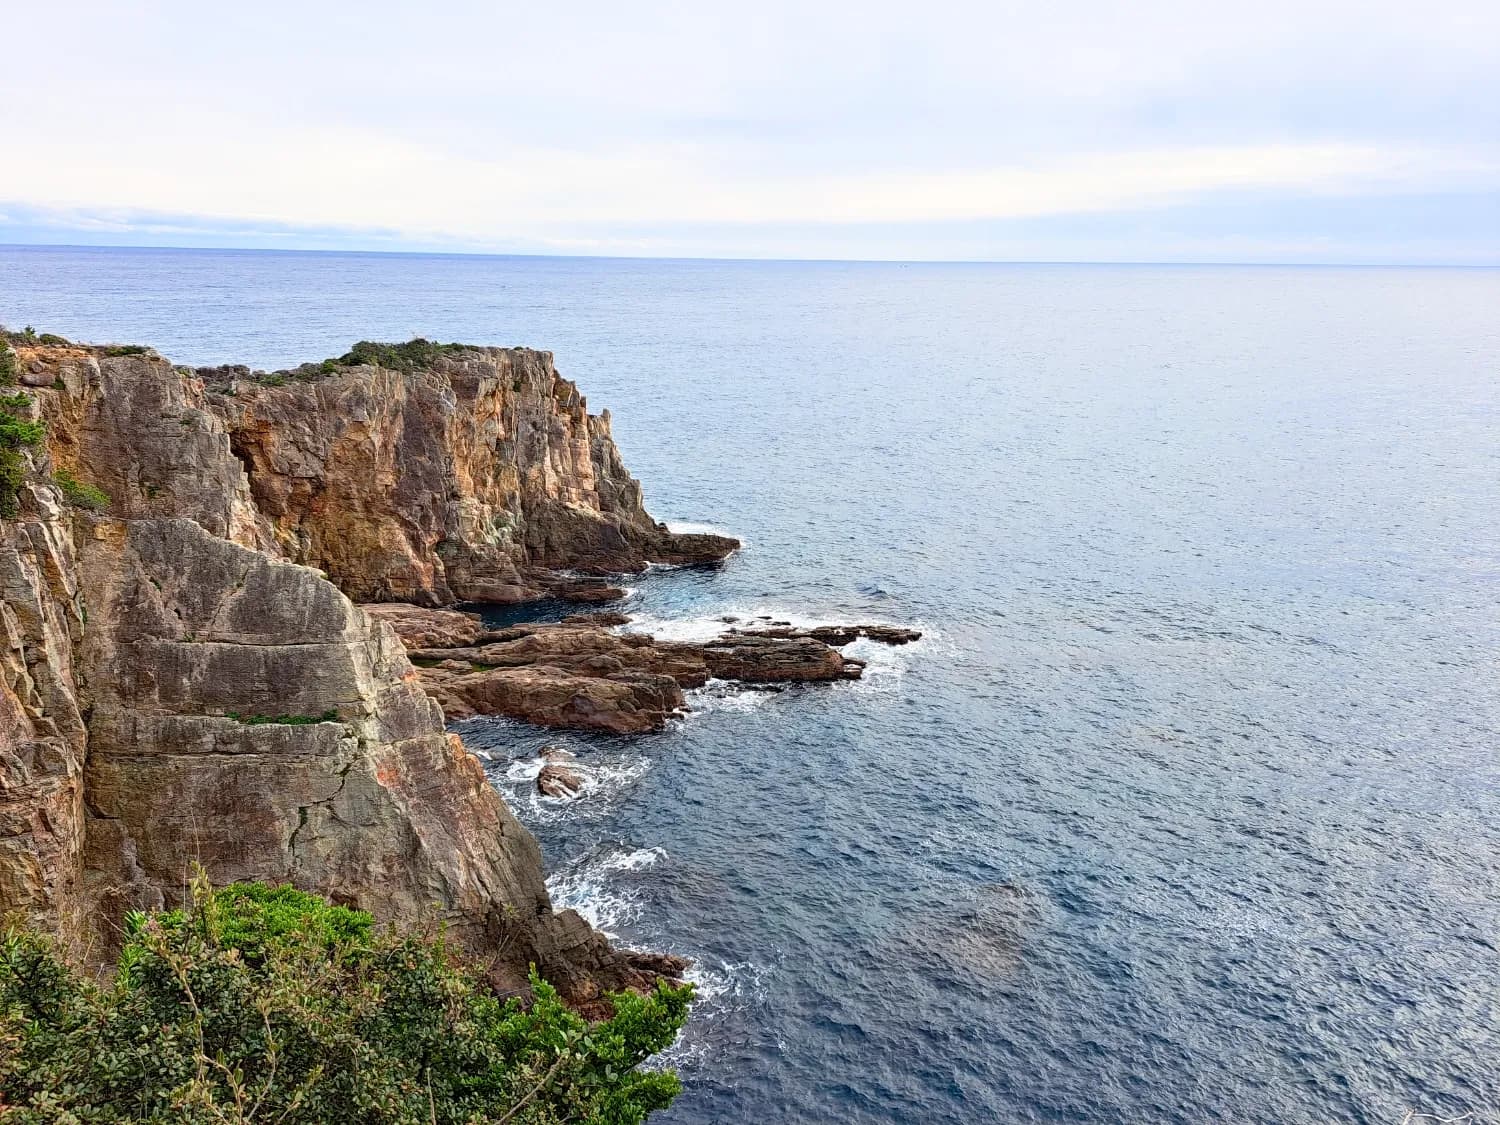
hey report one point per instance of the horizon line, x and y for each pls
(345, 252)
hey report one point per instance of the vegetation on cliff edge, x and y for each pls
(16, 434)
(262, 1003)
(396, 357)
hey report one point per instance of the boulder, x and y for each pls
(589, 593)
(559, 781)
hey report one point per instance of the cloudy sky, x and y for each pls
(1149, 130)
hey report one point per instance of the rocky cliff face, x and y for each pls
(143, 649)
(472, 476)
(43, 738)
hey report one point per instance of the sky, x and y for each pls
(1056, 130)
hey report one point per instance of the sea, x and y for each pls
(1186, 807)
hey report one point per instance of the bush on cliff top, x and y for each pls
(263, 1003)
(395, 357)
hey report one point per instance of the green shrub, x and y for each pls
(265, 1004)
(7, 366)
(52, 339)
(15, 435)
(78, 494)
(126, 349)
(397, 357)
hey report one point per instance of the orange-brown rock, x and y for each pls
(618, 702)
(579, 673)
(468, 477)
(558, 781)
(423, 627)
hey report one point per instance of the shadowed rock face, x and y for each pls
(43, 740)
(143, 651)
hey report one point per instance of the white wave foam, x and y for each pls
(720, 988)
(724, 982)
(726, 695)
(589, 886)
(602, 783)
(637, 860)
(691, 527)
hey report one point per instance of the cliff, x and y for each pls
(441, 474)
(184, 678)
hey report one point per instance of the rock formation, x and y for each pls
(455, 474)
(184, 678)
(581, 673)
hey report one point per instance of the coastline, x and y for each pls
(180, 568)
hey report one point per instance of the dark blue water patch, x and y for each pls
(504, 616)
(1186, 809)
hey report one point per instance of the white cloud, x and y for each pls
(581, 124)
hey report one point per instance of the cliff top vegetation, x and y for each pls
(260, 1003)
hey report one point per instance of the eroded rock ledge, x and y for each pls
(581, 673)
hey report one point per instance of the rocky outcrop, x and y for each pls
(475, 475)
(837, 635)
(177, 688)
(428, 628)
(581, 673)
(142, 431)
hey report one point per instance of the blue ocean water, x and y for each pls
(1187, 807)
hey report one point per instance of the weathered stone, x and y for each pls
(376, 806)
(469, 479)
(559, 781)
(144, 433)
(840, 635)
(578, 673)
(585, 592)
(756, 658)
(43, 741)
(420, 627)
(604, 620)
(618, 702)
